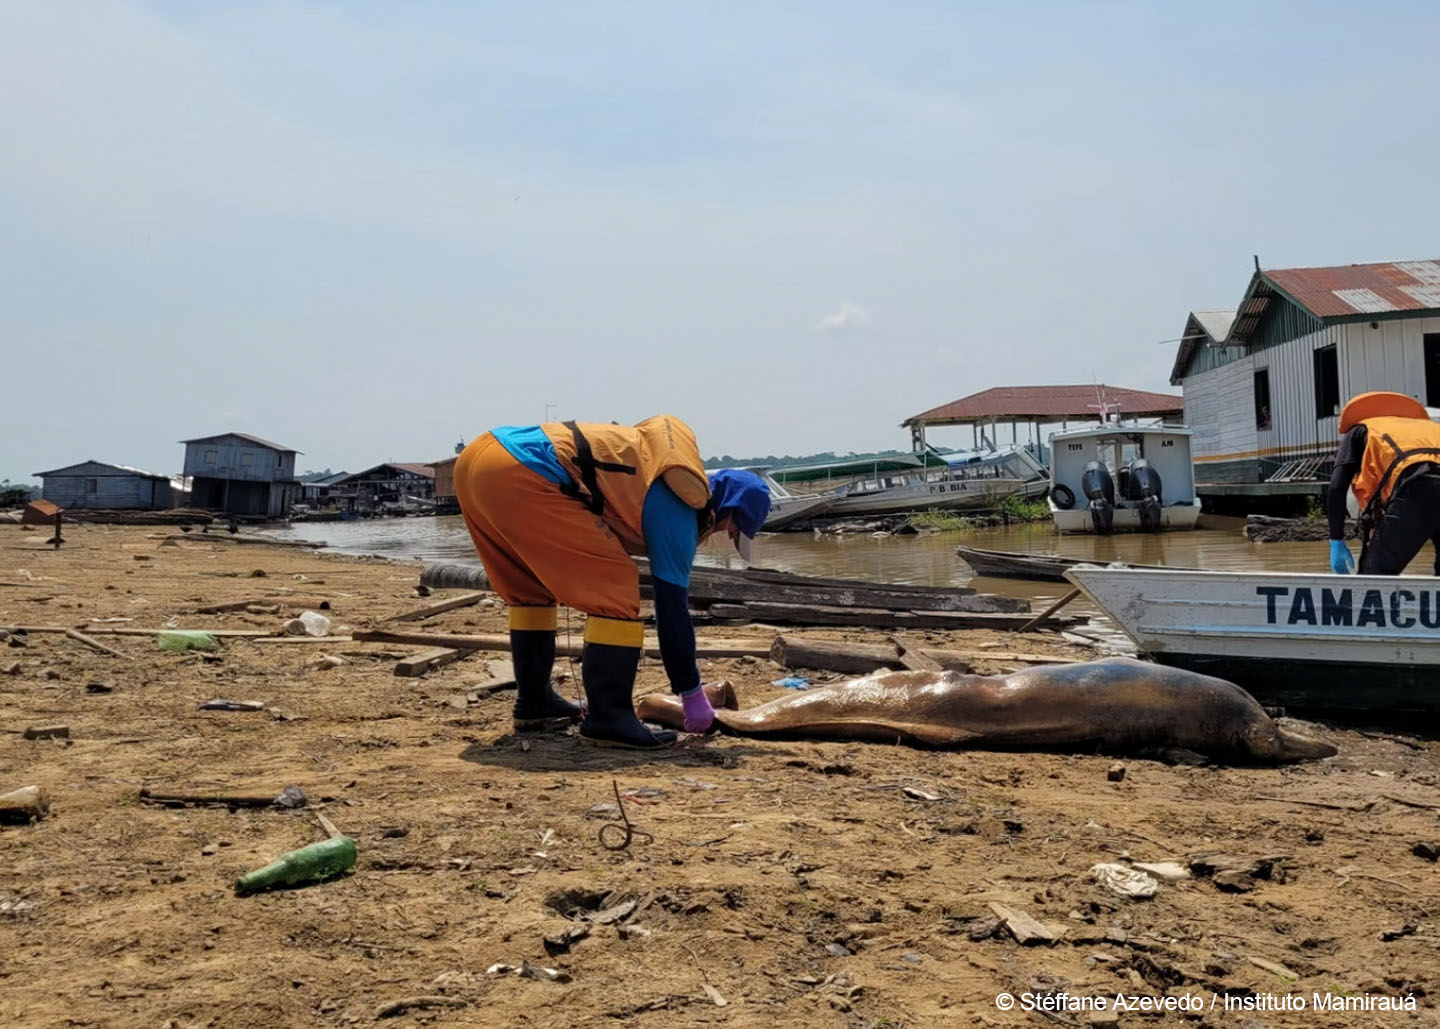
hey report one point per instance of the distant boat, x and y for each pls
(787, 508)
(1119, 478)
(906, 484)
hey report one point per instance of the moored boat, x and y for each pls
(1118, 478)
(1304, 640)
(1009, 564)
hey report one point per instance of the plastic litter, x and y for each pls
(792, 682)
(315, 623)
(1125, 882)
(180, 640)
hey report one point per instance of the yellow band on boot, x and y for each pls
(525, 619)
(614, 632)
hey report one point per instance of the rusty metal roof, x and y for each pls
(1354, 290)
(1049, 403)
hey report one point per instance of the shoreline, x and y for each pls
(768, 859)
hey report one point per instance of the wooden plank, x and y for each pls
(94, 644)
(96, 630)
(1025, 929)
(915, 660)
(705, 646)
(425, 661)
(1050, 610)
(878, 618)
(439, 607)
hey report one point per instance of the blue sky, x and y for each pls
(369, 230)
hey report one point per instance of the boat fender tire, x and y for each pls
(1063, 496)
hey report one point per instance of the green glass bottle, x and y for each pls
(317, 862)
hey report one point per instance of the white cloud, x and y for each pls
(850, 317)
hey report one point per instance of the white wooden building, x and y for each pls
(1264, 384)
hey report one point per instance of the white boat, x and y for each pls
(786, 508)
(1321, 640)
(1122, 478)
(913, 493)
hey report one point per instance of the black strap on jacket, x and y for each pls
(585, 461)
(1375, 508)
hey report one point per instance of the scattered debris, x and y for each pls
(561, 942)
(1165, 871)
(837, 950)
(99, 687)
(715, 996)
(181, 640)
(1125, 882)
(27, 804)
(1022, 927)
(399, 1007)
(13, 668)
(918, 794)
(48, 732)
(231, 705)
(792, 682)
(1116, 772)
(1273, 967)
(1428, 851)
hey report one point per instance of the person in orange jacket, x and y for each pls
(1389, 454)
(556, 511)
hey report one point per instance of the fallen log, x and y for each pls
(705, 647)
(95, 630)
(868, 617)
(305, 603)
(439, 607)
(861, 658)
(418, 664)
(454, 577)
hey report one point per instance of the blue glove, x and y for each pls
(1341, 563)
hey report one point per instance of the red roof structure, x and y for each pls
(1049, 404)
(1360, 289)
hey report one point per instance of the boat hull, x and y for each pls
(964, 495)
(788, 510)
(1127, 519)
(1313, 641)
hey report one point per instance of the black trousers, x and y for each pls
(1411, 518)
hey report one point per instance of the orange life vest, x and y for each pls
(613, 466)
(1391, 446)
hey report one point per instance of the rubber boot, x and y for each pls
(609, 673)
(537, 705)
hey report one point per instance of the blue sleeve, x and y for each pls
(672, 535)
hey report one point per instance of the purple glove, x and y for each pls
(699, 715)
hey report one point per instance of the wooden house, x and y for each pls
(445, 478)
(1264, 384)
(391, 483)
(96, 486)
(241, 475)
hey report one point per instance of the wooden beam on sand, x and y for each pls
(95, 630)
(94, 644)
(706, 647)
(1032, 623)
(418, 664)
(861, 658)
(867, 617)
(438, 607)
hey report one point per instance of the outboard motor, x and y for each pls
(1145, 487)
(1100, 489)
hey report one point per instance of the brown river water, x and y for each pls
(927, 559)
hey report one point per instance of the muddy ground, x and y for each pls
(783, 884)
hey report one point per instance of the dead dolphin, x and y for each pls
(1117, 704)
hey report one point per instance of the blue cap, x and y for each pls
(743, 496)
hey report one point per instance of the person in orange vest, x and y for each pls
(1389, 454)
(555, 512)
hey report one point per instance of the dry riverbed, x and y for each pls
(779, 884)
